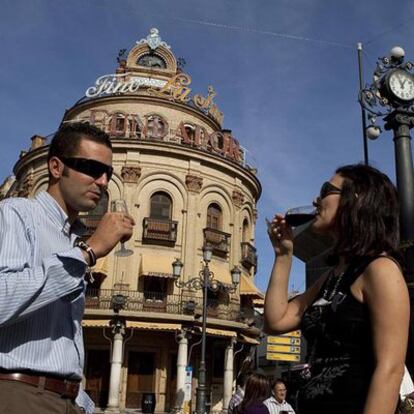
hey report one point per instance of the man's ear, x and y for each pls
(56, 167)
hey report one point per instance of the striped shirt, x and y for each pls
(275, 407)
(42, 290)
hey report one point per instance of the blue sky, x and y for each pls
(285, 72)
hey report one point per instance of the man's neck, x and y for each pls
(72, 215)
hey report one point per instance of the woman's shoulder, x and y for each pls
(256, 408)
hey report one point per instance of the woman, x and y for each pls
(257, 390)
(355, 317)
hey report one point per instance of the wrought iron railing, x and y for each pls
(218, 240)
(159, 230)
(185, 304)
(248, 255)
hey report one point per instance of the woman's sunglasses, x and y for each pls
(328, 188)
(94, 169)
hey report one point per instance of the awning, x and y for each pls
(153, 326)
(221, 332)
(258, 303)
(248, 288)
(221, 272)
(101, 266)
(156, 265)
(96, 323)
(247, 340)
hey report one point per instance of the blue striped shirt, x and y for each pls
(42, 290)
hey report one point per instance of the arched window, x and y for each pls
(214, 217)
(161, 206)
(245, 231)
(92, 218)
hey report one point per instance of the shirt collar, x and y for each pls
(58, 216)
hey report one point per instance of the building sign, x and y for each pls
(154, 127)
(284, 347)
(176, 89)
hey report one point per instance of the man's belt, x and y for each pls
(65, 388)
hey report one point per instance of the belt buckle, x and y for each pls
(69, 390)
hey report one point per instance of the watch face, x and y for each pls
(401, 84)
(151, 61)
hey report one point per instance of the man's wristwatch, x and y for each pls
(91, 254)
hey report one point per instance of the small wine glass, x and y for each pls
(120, 206)
(300, 215)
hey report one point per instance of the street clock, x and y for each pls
(399, 86)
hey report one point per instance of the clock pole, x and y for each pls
(391, 98)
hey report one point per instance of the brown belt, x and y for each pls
(65, 388)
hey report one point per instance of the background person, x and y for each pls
(355, 317)
(42, 269)
(257, 389)
(238, 396)
(277, 404)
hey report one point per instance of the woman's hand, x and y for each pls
(281, 236)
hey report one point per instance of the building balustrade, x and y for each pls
(218, 240)
(248, 255)
(159, 231)
(185, 304)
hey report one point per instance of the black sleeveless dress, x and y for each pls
(340, 349)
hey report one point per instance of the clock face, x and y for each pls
(151, 61)
(401, 84)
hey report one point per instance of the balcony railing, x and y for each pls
(248, 255)
(218, 240)
(91, 222)
(159, 231)
(161, 302)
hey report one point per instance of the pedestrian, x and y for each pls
(238, 396)
(43, 262)
(277, 403)
(355, 317)
(257, 389)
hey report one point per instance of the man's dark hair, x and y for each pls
(367, 220)
(66, 141)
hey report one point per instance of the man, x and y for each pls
(238, 396)
(42, 269)
(277, 404)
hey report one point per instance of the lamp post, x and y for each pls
(391, 98)
(205, 281)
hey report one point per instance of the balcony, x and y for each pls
(159, 231)
(90, 221)
(218, 240)
(160, 302)
(248, 255)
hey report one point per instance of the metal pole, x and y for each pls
(401, 125)
(201, 389)
(363, 114)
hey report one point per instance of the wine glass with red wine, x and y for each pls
(300, 215)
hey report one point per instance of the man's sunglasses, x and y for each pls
(328, 188)
(94, 169)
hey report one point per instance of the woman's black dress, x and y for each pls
(340, 349)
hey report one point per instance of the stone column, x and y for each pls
(116, 365)
(228, 375)
(181, 366)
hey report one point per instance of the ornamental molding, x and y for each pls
(194, 183)
(130, 174)
(238, 198)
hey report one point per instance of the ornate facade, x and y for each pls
(187, 184)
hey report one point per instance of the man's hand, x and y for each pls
(113, 228)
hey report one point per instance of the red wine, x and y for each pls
(297, 219)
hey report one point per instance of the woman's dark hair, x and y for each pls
(257, 389)
(367, 220)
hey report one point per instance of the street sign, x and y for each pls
(293, 333)
(282, 357)
(284, 348)
(285, 340)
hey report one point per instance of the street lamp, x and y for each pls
(390, 97)
(205, 281)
